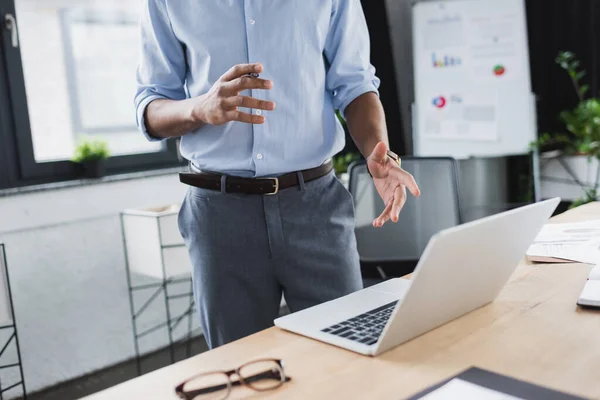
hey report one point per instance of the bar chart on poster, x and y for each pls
(472, 82)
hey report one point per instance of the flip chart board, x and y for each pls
(472, 81)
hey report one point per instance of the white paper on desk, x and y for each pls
(459, 389)
(577, 242)
(587, 252)
(569, 233)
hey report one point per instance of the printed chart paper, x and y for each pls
(575, 242)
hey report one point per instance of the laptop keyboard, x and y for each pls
(364, 328)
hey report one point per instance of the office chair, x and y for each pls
(437, 208)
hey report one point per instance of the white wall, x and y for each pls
(67, 271)
(50, 207)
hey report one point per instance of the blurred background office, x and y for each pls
(75, 173)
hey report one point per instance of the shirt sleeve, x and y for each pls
(162, 69)
(348, 52)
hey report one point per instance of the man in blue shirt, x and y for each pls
(251, 87)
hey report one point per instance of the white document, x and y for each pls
(571, 232)
(459, 389)
(586, 252)
(576, 242)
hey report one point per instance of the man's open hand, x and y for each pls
(391, 182)
(220, 105)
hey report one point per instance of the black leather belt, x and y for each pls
(261, 186)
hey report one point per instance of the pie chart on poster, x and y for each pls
(439, 102)
(499, 70)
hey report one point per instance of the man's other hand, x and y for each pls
(391, 182)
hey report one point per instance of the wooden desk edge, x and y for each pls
(432, 364)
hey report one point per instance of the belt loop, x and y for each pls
(223, 183)
(301, 181)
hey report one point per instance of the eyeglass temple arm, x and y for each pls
(263, 375)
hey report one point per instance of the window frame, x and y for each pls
(17, 159)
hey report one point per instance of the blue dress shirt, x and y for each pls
(316, 52)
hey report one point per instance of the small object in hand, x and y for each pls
(253, 75)
(395, 157)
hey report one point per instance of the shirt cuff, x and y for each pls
(141, 110)
(356, 93)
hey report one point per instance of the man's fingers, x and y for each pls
(248, 102)
(379, 152)
(384, 217)
(409, 181)
(383, 220)
(245, 117)
(247, 83)
(240, 70)
(398, 203)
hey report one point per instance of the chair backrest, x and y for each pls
(437, 208)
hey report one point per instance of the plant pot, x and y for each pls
(94, 169)
(559, 176)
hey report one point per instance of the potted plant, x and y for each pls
(92, 155)
(571, 169)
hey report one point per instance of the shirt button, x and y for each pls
(259, 156)
(252, 22)
(258, 112)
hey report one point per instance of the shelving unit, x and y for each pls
(8, 326)
(154, 249)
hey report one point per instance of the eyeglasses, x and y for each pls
(259, 375)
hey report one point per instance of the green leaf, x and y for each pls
(578, 203)
(582, 123)
(342, 162)
(564, 56)
(584, 89)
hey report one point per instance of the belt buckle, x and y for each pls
(276, 184)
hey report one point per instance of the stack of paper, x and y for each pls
(573, 242)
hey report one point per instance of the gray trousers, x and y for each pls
(248, 250)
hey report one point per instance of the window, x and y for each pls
(70, 75)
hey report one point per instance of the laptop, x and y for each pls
(462, 269)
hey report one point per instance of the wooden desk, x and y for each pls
(533, 331)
